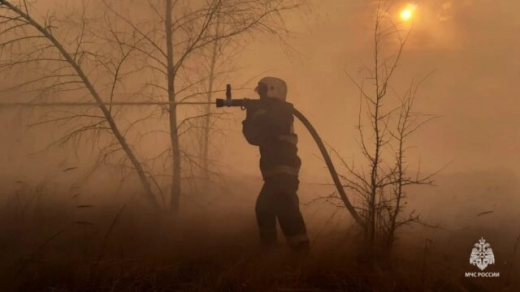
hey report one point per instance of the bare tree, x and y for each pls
(383, 141)
(175, 33)
(408, 123)
(207, 111)
(66, 66)
(153, 49)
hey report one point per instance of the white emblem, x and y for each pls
(482, 255)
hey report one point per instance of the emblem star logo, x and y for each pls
(482, 255)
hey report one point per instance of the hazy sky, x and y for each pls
(472, 46)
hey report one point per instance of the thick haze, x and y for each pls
(61, 220)
(472, 47)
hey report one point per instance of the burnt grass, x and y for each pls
(48, 245)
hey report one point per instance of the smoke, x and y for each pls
(467, 48)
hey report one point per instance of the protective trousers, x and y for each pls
(278, 199)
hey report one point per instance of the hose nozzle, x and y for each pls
(229, 101)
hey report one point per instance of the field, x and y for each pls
(51, 242)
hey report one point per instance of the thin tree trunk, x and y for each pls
(402, 128)
(106, 112)
(375, 163)
(207, 119)
(174, 135)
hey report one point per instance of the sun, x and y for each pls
(408, 12)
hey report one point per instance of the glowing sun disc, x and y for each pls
(407, 13)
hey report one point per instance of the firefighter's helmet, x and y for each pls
(272, 87)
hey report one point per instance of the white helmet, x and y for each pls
(276, 87)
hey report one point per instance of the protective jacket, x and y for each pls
(269, 125)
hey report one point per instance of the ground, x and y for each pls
(51, 244)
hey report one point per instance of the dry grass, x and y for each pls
(51, 244)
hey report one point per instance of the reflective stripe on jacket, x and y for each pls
(269, 125)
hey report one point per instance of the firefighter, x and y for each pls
(269, 125)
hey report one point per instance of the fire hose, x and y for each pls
(243, 103)
(228, 102)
